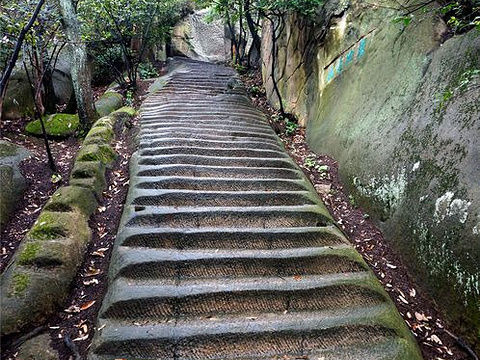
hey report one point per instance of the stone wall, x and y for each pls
(399, 108)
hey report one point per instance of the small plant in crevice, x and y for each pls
(129, 97)
(255, 90)
(290, 127)
(352, 201)
(461, 84)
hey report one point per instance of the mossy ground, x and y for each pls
(57, 126)
(20, 282)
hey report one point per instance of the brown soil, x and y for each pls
(436, 339)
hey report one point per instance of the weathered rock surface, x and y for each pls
(401, 113)
(38, 348)
(108, 103)
(226, 252)
(195, 38)
(37, 280)
(12, 183)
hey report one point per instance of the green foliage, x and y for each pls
(147, 71)
(281, 7)
(129, 26)
(290, 127)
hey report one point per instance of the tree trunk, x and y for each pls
(256, 43)
(272, 71)
(81, 77)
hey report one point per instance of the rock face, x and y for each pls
(400, 111)
(12, 183)
(195, 38)
(18, 101)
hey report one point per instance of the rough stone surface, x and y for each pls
(38, 278)
(38, 348)
(18, 101)
(401, 113)
(225, 250)
(12, 183)
(56, 126)
(108, 103)
(196, 38)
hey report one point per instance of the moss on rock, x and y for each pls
(51, 225)
(90, 175)
(28, 253)
(72, 197)
(56, 126)
(95, 152)
(99, 135)
(20, 282)
(108, 102)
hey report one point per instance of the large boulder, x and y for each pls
(108, 102)
(18, 100)
(12, 182)
(198, 39)
(399, 108)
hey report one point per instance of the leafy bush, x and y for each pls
(147, 71)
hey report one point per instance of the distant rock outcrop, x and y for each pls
(196, 38)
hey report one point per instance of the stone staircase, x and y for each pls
(226, 252)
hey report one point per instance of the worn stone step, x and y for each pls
(267, 335)
(205, 125)
(141, 300)
(190, 198)
(231, 238)
(140, 263)
(202, 171)
(209, 143)
(219, 184)
(216, 152)
(232, 136)
(188, 159)
(253, 217)
(245, 132)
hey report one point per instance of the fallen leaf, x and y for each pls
(81, 338)
(87, 305)
(92, 272)
(402, 299)
(72, 309)
(436, 339)
(391, 266)
(413, 293)
(90, 282)
(420, 317)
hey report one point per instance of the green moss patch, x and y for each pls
(7, 150)
(19, 285)
(94, 152)
(108, 102)
(28, 253)
(72, 197)
(56, 126)
(98, 135)
(53, 225)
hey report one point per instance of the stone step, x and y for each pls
(132, 299)
(206, 125)
(226, 136)
(252, 217)
(184, 198)
(211, 130)
(219, 184)
(175, 265)
(218, 171)
(209, 143)
(216, 161)
(216, 152)
(231, 238)
(268, 335)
